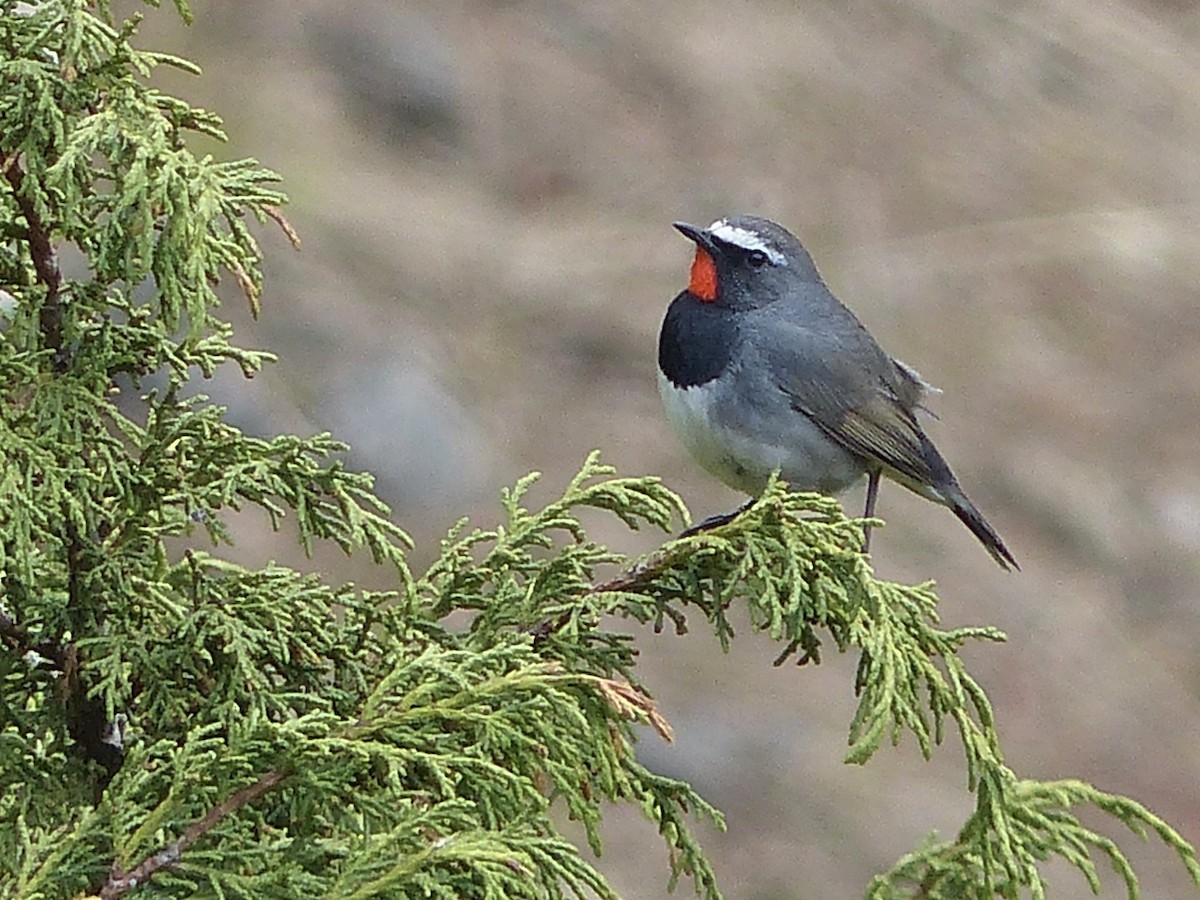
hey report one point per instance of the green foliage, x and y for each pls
(177, 724)
(794, 559)
(1016, 825)
(174, 720)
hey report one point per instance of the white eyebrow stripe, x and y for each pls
(747, 240)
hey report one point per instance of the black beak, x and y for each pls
(698, 236)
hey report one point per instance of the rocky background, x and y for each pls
(1008, 194)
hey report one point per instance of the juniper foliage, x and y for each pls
(174, 724)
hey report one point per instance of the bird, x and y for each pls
(762, 369)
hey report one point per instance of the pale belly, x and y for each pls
(745, 455)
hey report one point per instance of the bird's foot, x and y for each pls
(869, 512)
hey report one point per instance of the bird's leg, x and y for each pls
(717, 521)
(869, 513)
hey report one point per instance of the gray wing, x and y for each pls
(861, 398)
(866, 402)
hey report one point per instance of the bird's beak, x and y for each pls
(698, 236)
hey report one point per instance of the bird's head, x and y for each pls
(746, 262)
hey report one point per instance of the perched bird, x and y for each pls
(761, 367)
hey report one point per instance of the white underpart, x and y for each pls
(746, 239)
(744, 458)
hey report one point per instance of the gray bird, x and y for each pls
(761, 367)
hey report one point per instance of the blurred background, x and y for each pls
(1008, 195)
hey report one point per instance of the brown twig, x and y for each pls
(289, 230)
(634, 577)
(45, 261)
(119, 881)
(246, 283)
(631, 702)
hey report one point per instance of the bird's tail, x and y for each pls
(970, 516)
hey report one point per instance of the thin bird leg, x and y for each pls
(872, 494)
(717, 521)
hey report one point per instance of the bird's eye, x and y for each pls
(756, 258)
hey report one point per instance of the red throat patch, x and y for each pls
(703, 283)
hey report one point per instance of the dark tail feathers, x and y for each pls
(973, 519)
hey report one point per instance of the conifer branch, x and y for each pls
(120, 881)
(45, 259)
(86, 721)
(19, 641)
(634, 578)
